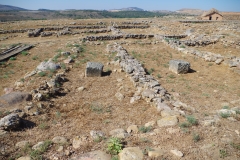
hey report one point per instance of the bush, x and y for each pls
(42, 74)
(24, 53)
(114, 146)
(144, 129)
(192, 120)
(13, 58)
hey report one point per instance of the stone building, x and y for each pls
(212, 15)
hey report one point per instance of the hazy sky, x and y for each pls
(222, 5)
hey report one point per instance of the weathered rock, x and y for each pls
(156, 153)
(38, 97)
(80, 89)
(119, 96)
(177, 153)
(148, 93)
(165, 113)
(38, 146)
(94, 69)
(14, 98)
(179, 66)
(150, 124)
(59, 140)
(132, 129)
(131, 153)
(2, 132)
(8, 90)
(96, 134)
(24, 158)
(95, 155)
(119, 133)
(60, 149)
(78, 141)
(162, 106)
(49, 65)
(22, 144)
(168, 121)
(10, 122)
(135, 99)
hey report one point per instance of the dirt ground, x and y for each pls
(208, 88)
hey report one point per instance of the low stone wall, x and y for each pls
(131, 27)
(147, 86)
(101, 38)
(114, 37)
(207, 56)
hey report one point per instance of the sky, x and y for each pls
(172, 5)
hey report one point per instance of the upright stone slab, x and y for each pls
(94, 69)
(179, 66)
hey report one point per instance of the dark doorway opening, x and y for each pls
(210, 18)
(216, 18)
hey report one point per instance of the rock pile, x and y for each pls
(148, 88)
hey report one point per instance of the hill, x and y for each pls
(10, 8)
(190, 11)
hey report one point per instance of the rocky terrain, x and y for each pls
(126, 89)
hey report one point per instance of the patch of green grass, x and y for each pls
(225, 115)
(159, 76)
(98, 108)
(115, 158)
(223, 153)
(35, 58)
(192, 120)
(150, 71)
(182, 46)
(58, 114)
(63, 66)
(144, 129)
(43, 126)
(172, 76)
(184, 125)
(42, 74)
(196, 137)
(37, 154)
(225, 107)
(114, 146)
(236, 146)
(24, 53)
(12, 58)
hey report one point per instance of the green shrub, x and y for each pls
(144, 129)
(196, 137)
(192, 120)
(13, 58)
(34, 57)
(114, 146)
(225, 115)
(24, 53)
(42, 74)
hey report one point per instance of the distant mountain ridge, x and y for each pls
(128, 9)
(10, 8)
(190, 11)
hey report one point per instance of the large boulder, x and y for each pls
(179, 66)
(49, 65)
(10, 122)
(14, 98)
(95, 155)
(94, 69)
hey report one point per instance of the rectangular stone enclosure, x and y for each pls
(179, 66)
(94, 69)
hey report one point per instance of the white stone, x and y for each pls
(131, 153)
(177, 153)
